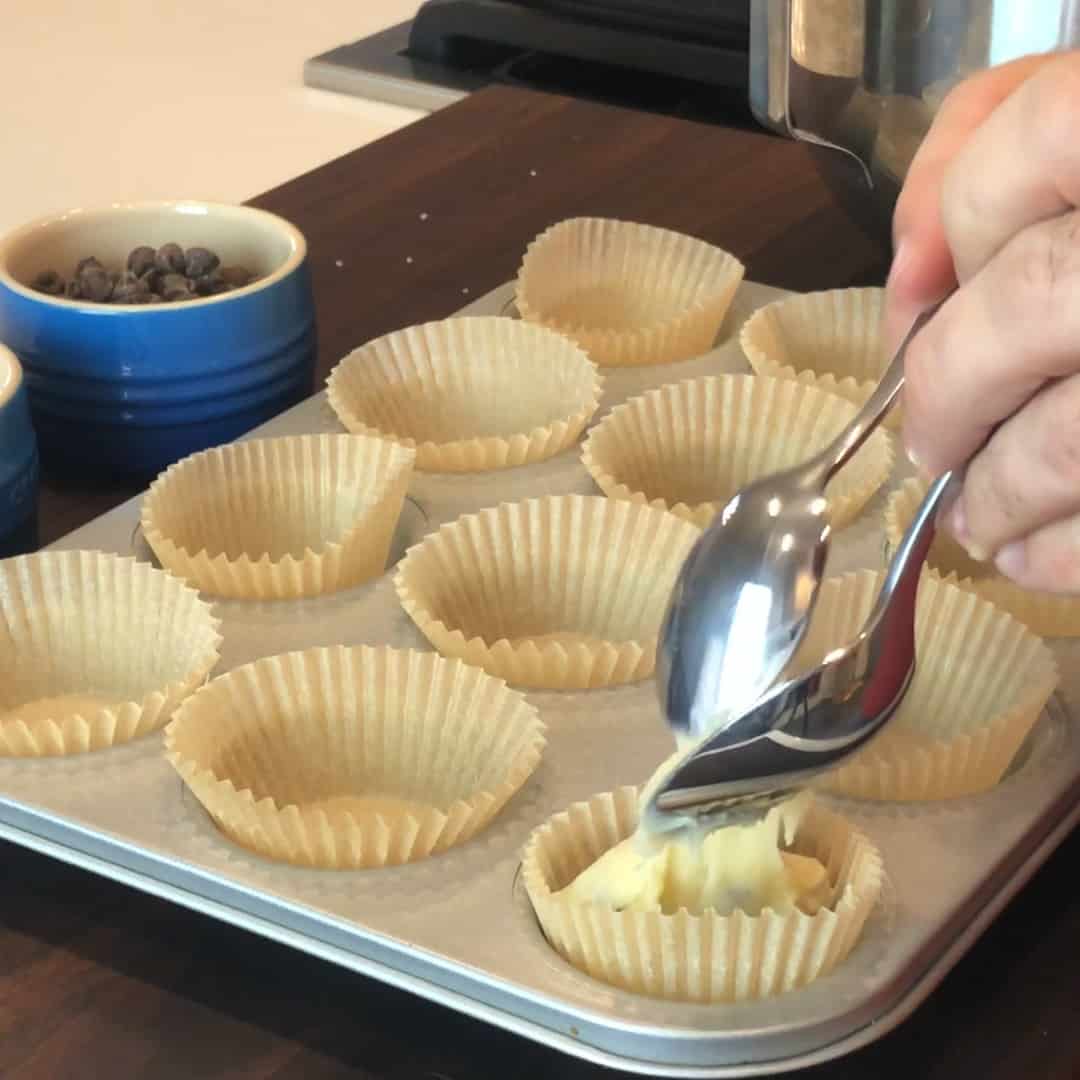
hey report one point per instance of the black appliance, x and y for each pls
(682, 57)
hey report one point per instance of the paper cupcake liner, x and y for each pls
(279, 518)
(981, 680)
(688, 447)
(831, 340)
(1047, 614)
(563, 592)
(469, 394)
(702, 958)
(627, 293)
(95, 650)
(357, 757)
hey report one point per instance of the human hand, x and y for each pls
(990, 207)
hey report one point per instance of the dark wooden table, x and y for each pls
(97, 981)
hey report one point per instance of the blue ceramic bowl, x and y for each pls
(130, 389)
(18, 463)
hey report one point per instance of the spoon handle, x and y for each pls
(840, 451)
(896, 598)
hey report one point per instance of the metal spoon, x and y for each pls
(743, 597)
(809, 723)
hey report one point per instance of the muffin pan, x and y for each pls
(457, 927)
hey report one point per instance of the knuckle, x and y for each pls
(995, 503)
(1055, 557)
(1044, 263)
(1055, 91)
(961, 203)
(1059, 436)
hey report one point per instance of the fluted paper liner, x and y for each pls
(1047, 614)
(627, 293)
(469, 394)
(559, 592)
(702, 958)
(95, 650)
(279, 518)
(289, 754)
(981, 680)
(831, 340)
(689, 446)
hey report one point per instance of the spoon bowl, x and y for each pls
(744, 596)
(811, 722)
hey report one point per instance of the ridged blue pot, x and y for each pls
(18, 463)
(131, 389)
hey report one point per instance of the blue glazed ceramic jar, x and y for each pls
(129, 389)
(18, 463)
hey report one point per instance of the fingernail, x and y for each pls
(914, 458)
(958, 526)
(899, 259)
(957, 521)
(1011, 560)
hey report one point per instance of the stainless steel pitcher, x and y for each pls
(860, 80)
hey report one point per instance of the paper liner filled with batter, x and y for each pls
(279, 518)
(95, 650)
(706, 957)
(627, 293)
(469, 394)
(688, 447)
(354, 757)
(559, 592)
(1048, 614)
(981, 680)
(831, 340)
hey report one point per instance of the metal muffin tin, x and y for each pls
(457, 928)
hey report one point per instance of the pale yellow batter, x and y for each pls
(743, 867)
(738, 868)
(40, 711)
(388, 806)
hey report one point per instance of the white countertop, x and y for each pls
(141, 99)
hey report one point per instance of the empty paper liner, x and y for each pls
(469, 393)
(1048, 614)
(95, 650)
(688, 447)
(981, 680)
(627, 293)
(559, 592)
(706, 957)
(354, 757)
(279, 518)
(832, 340)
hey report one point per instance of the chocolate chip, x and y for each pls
(200, 262)
(95, 284)
(172, 282)
(140, 260)
(49, 281)
(130, 289)
(85, 264)
(170, 257)
(175, 287)
(151, 277)
(209, 283)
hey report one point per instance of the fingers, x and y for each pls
(1019, 167)
(923, 270)
(1048, 559)
(1027, 476)
(994, 344)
